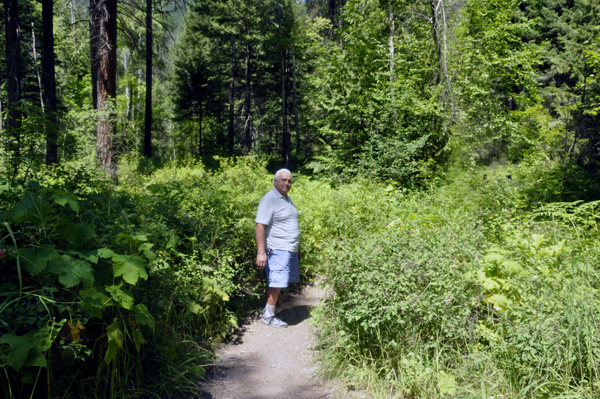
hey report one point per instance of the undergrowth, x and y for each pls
(473, 289)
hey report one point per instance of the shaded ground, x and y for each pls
(274, 363)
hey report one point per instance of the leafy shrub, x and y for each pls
(462, 290)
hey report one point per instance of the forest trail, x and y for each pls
(274, 363)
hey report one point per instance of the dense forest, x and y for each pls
(447, 165)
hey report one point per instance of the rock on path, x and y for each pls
(275, 363)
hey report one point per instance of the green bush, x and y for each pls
(464, 290)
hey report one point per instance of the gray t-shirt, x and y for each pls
(278, 213)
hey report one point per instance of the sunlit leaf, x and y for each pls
(121, 295)
(131, 267)
(63, 198)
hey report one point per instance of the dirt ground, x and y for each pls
(275, 363)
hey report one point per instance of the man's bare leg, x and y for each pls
(273, 296)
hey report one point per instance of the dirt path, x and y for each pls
(275, 363)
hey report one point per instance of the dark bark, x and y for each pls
(106, 85)
(285, 148)
(230, 133)
(94, 38)
(148, 119)
(13, 39)
(295, 104)
(248, 122)
(49, 81)
(331, 17)
(200, 129)
(287, 142)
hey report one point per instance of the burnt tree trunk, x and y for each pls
(13, 39)
(106, 85)
(49, 80)
(148, 119)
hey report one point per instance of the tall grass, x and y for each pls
(463, 291)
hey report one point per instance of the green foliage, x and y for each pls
(463, 290)
(167, 257)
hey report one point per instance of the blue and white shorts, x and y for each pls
(282, 268)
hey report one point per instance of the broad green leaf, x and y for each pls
(173, 241)
(74, 233)
(138, 338)
(145, 248)
(154, 188)
(131, 267)
(512, 267)
(131, 240)
(121, 295)
(142, 316)
(91, 255)
(36, 259)
(72, 271)
(63, 198)
(31, 208)
(45, 336)
(105, 253)
(494, 257)
(194, 307)
(19, 349)
(94, 300)
(447, 384)
(115, 342)
(499, 301)
(35, 359)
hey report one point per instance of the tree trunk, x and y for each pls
(287, 142)
(200, 130)
(13, 39)
(298, 144)
(434, 31)
(231, 99)
(94, 40)
(49, 81)
(285, 148)
(331, 17)
(107, 86)
(248, 123)
(148, 119)
(35, 62)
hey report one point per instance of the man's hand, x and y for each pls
(261, 261)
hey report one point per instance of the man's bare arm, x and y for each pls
(261, 258)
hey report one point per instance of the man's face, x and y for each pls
(283, 183)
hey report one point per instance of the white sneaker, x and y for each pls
(273, 321)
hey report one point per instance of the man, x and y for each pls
(278, 242)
